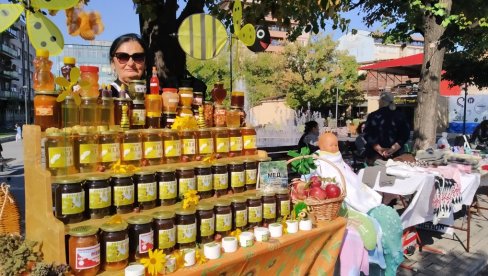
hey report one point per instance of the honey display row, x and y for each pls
(114, 245)
(85, 151)
(97, 196)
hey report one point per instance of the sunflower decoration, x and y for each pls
(155, 263)
(284, 225)
(71, 87)
(210, 159)
(179, 256)
(236, 233)
(190, 199)
(185, 123)
(117, 167)
(200, 257)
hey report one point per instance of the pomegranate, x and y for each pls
(318, 193)
(332, 190)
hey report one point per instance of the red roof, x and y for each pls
(410, 66)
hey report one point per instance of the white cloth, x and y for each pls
(358, 195)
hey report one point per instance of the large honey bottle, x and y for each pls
(43, 78)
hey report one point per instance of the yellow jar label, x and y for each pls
(172, 148)
(204, 183)
(185, 185)
(186, 233)
(146, 192)
(167, 189)
(117, 251)
(285, 207)
(123, 195)
(153, 150)
(205, 146)
(221, 181)
(207, 227)
(60, 157)
(237, 179)
(269, 210)
(241, 218)
(88, 153)
(188, 146)
(249, 141)
(235, 143)
(138, 117)
(251, 177)
(223, 222)
(110, 152)
(222, 145)
(99, 198)
(167, 238)
(131, 151)
(255, 214)
(72, 203)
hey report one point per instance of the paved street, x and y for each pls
(455, 262)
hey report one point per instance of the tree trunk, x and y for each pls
(160, 34)
(425, 122)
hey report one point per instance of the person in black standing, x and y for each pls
(386, 131)
(310, 136)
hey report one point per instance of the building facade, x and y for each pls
(16, 94)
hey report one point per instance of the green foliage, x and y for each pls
(15, 253)
(314, 71)
(303, 165)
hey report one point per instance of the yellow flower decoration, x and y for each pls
(155, 263)
(115, 219)
(200, 257)
(117, 167)
(190, 199)
(72, 87)
(236, 233)
(284, 225)
(180, 259)
(185, 123)
(210, 159)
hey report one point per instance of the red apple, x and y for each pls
(318, 193)
(332, 191)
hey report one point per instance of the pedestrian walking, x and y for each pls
(18, 135)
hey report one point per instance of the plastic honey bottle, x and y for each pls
(43, 78)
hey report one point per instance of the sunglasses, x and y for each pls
(123, 58)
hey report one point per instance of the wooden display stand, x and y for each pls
(40, 223)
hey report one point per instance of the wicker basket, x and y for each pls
(9, 213)
(324, 209)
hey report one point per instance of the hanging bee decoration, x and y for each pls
(263, 39)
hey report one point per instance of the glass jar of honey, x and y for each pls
(46, 110)
(186, 96)
(146, 189)
(84, 250)
(237, 176)
(153, 105)
(269, 207)
(186, 228)
(283, 204)
(204, 143)
(114, 246)
(221, 141)
(131, 148)
(249, 141)
(239, 212)
(59, 152)
(184, 112)
(89, 74)
(106, 111)
(205, 223)
(69, 199)
(164, 231)
(168, 119)
(188, 145)
(223, 217)
(254, 211)
(220, 178)
(137, 89)
(141, 237)
(70, 115)
(122, 193)
(237, 99)
(98, 196)
(203, 174)
(251, 172)
(86, 152)
(170, 99)
(108, 148)
(186, 180)
(219, 118)
(168, 191)
(208, 111)
(138, 115)
(171, 146)
(235, 142)
(152, 146)
(233, 118)
(89, 115)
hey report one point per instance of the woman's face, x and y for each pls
(129, 68)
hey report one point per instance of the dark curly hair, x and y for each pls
(124, 38)
(309, 126)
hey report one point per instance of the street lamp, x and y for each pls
(25, 104)
(337, 105)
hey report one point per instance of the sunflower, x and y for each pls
(155, 263)
(190, 199)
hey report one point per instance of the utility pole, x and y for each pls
(337, 106)
(465, 104)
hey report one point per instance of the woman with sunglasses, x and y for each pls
(128, 60)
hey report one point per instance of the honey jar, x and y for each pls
(146, 189)
(269, 207)
(98, 196)
(248, 141)
(283, 204)
(122, 193)
(220, 116)
(171, 146)
(114, 246)
(223, 217)
(164, 231)
(221, 141)
(204, 143)
(203, 174)
(205, 223)
(220, 178)
(84, 245)
(188, 145)
(236, 176)
(254, 211)
(131, 147)
(59, 152)
(141, 237)
(250, 167)
(235, 142)
(86, 152)
(167, 187)
(152, 146)
(186, 228)
(47, 111)
(69, 199)
(239, 212)
(186, 180)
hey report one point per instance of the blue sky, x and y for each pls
(119, 17)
